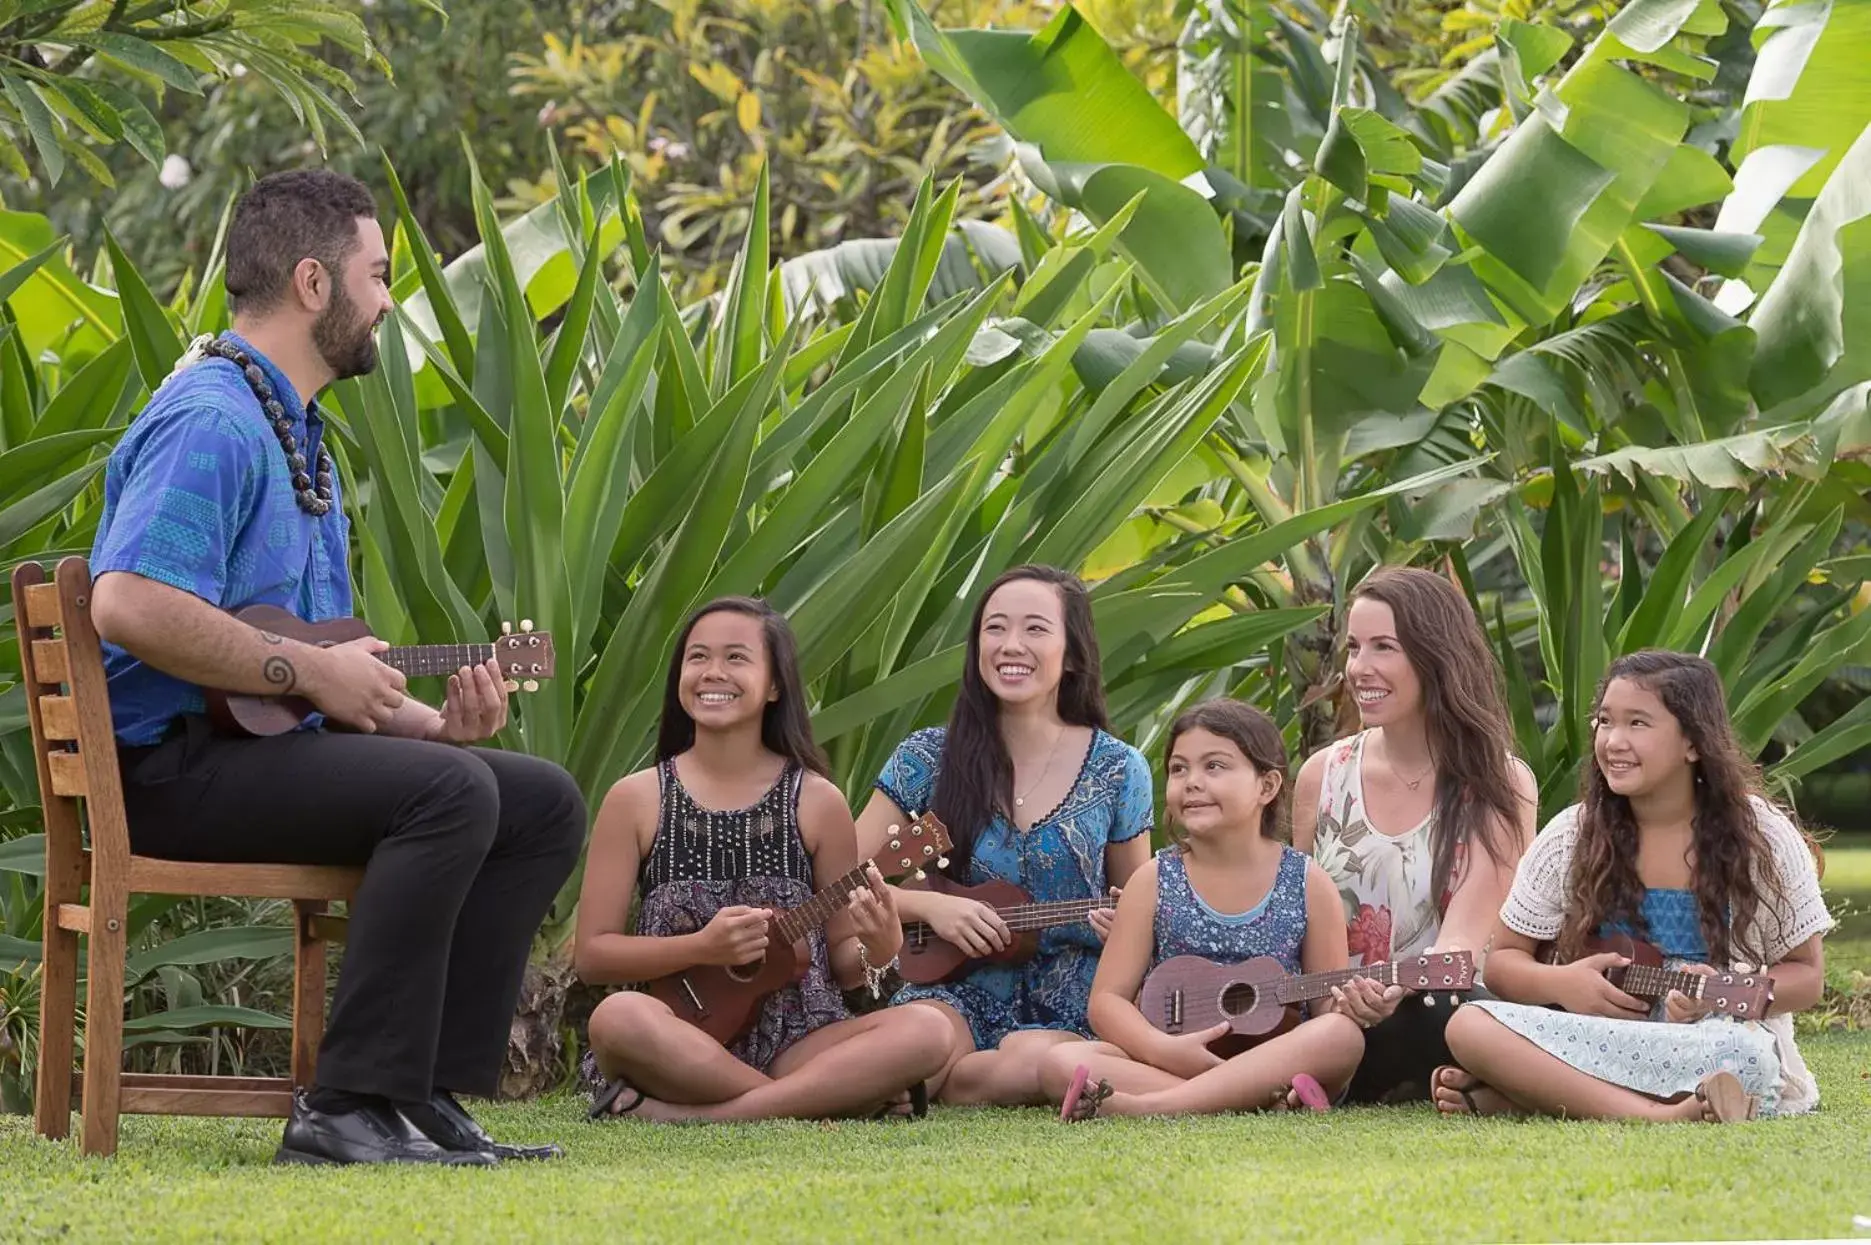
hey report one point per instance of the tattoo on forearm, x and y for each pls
(270, 638)
(278, 671)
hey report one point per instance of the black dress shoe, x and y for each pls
(375, 1133)
(448, 1124)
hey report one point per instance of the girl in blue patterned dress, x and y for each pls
(1672, 843)
(1228, 890)
(735, 822)
(1035, 791)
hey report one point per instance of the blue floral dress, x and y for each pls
(1186, 925)
(1060, 857)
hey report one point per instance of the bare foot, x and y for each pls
(1457, 1091)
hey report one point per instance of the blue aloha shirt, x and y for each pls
(1060, 857)
(198, 495)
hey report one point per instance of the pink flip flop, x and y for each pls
(1311, 1093)
(1082, 1099)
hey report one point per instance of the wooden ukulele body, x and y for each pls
(926, 959)
(1190, 993)
(275, 715)
(1746, 996)
(724, 1000)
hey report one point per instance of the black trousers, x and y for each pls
(463, 851)
(1402, 1051)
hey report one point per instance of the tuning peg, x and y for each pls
(893, 829)
(526, 624)
(941, 862)
(506, 628)
(510, 685)
(921, 876)
(531, 685)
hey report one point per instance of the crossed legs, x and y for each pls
(850, 1067)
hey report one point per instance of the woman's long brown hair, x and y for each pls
(1728, 839)
(1465, 714)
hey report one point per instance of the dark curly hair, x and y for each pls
(1728, 841)
(287, 217)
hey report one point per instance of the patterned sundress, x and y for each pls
(1383, 879)
(1667, 1061)
(1187, 925)
(703, 860)
(1060, 857)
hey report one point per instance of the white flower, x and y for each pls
(175, 172)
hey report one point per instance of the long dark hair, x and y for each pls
(785, 726)
(1254, 733)
(976, 777)
(1465, 713)
(1728, 839)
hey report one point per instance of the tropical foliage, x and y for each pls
(1575, 326)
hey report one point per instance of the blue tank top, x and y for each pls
(1672, 924)
(1186, 925)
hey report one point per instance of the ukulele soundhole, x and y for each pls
(1238, 999)
(746, 972)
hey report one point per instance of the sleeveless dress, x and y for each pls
(703, 860)
(1060, 857)
(1383, 879)
(1668, 1061)
(1187, 925)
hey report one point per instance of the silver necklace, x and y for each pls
(1019, 801)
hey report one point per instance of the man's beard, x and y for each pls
(346, 340)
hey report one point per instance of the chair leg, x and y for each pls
(308, 991)
(103, 1026)
(58, 1023)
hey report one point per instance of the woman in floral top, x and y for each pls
(1420, 818)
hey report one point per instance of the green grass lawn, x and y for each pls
(1366, 1174)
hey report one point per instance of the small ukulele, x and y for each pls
(525, 658)
(927, 958)
(1745, 996)
(1257, 998)
(724, 1000)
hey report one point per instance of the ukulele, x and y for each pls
(1257, 998)
(1745, 996)
(724, 1000)
(926, 958)
(524, 658)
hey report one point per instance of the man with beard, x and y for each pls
(222, 494)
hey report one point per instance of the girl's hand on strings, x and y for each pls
(1679, 1008)
(874, 917)
(1585, 991)
(1102, 918)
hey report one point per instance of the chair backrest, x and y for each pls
(68, 705)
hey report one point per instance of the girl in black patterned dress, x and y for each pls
(736, 822)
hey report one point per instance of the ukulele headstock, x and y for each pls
(1440, 970)
(1745, 996)
(525, 656)
(924, 842)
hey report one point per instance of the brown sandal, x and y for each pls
(1727, 1098)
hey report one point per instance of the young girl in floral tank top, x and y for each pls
(1227, 891)
(1419, 819)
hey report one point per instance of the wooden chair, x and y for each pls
(62, 667)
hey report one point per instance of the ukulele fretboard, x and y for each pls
(1318, 985)
(1026, 917)
(1647, 981)
(796, 923)
(419, 660)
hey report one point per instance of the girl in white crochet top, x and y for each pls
(1672, 844)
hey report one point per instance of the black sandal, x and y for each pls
(601, 1103)
(919, 1104)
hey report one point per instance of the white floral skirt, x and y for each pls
(1664, 1061)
